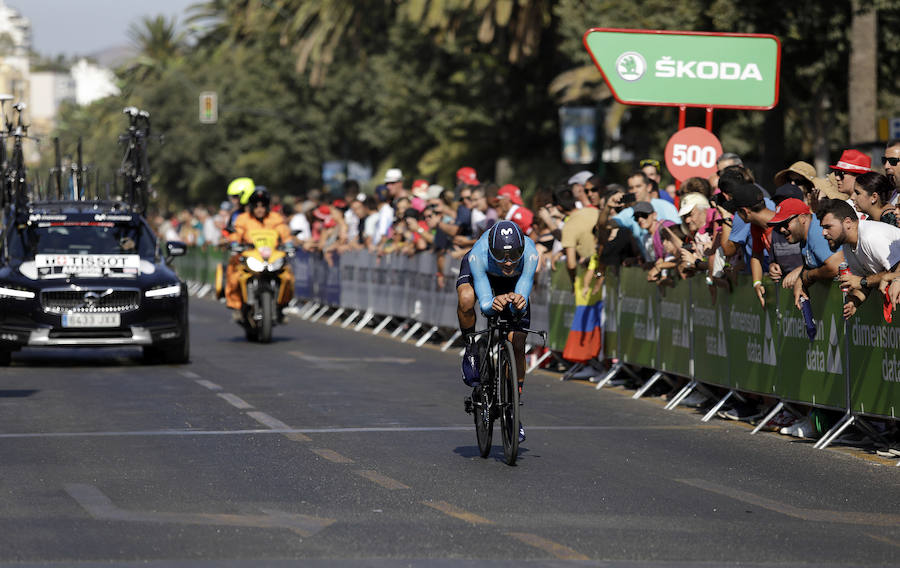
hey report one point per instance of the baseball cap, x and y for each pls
(434, 191)
(393, 175)
(691, 200)
(787, 191)
(467, 175)
(642, 207)
(580, 177)
(511, 192)
(420, 188)
(789, 208)
(746, 195)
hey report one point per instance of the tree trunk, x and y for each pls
(862, 86)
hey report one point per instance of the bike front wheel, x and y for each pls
(484, 424)
(509, 402)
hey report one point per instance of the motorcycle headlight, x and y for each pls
(171, 291)
(276, 264)
(255, 264)
(17, 293)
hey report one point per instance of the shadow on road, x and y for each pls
(496, 452)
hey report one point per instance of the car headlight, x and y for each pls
(171, 291)
(255, 264)
(18, 293)
(276, 264)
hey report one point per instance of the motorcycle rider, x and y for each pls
(257, 216)
(239, 191)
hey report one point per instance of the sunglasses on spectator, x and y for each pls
(650, 162)
(840, 175)
(892, 161)
(639, 216)
(465, 197)
(594, 189)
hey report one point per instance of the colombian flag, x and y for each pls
(586, 333)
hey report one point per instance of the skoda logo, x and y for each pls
(631, 66)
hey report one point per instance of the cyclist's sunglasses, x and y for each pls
(649, 162)
(892, 161)
(508, 256)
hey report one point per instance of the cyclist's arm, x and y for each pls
(483, 290)
(526, 279)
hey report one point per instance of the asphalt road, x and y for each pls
(331, 447)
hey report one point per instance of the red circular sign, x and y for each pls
(692, 152)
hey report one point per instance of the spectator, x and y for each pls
(385, 213)
(794, 220)
(652, 170)
(695, 185)
(751, 207)
(576, 184)
(639, 186)
(654, 236)
(299, 223)
(871, 249)
(889, 160)
(466, 177)
(851, 164)
(393, 181)
(511, 207)
(577, 235)
(872, 195)
(800, 174)
(483, 215)
(724, 160)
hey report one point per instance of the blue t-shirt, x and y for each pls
(481, 264)
(816, 250)
(664, 210)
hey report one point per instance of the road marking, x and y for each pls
(817, 515)
(382, 480)
(235, 400)
(553, 548)
(316, 359)
(209, 384)
(331, 455)
(458, 513)
(281, 427)
(101, 507)
(189, 374)
(884, 539)
(277, 427)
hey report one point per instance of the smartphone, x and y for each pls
(628, 198)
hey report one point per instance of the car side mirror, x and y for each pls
(175, 248)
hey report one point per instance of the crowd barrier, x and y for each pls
(732, 342)
(396, 285)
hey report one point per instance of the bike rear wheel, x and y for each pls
(509, 402)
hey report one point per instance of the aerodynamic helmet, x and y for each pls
(506, 242)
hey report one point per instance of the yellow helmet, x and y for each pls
(242, 187)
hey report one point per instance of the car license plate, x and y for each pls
(91, 320)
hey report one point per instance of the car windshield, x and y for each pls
(82, 237)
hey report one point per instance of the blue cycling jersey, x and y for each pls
(482, 265)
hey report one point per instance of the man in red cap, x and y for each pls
(508, 208)
(851, 164)
(466, 176)
(795, 221)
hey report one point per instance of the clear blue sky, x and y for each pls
(82, 27)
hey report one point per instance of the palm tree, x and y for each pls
(159, 44)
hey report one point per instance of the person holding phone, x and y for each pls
(639, 188)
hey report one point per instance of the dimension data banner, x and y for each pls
(648, 67)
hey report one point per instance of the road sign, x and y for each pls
(209, 107)
(894, 128)
(662, 68)
(692, 152)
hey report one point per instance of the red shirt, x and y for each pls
(762, 238)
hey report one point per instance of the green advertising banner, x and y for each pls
(637, 313)
(562, 307)
(610, 314)
(709, 322)
(675, 329)
(812, 371)
(649, 67)
(874, 360)
(753, 356)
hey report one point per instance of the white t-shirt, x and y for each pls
(877, 248)
(352, 224)
(385, 220)
(299, 225)
(370, 227)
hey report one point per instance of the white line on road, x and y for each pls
(271, 422)
(235, 400)
(189, 374)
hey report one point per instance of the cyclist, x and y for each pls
(499, 272)
(257, 216)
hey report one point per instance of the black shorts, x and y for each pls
(499, 285)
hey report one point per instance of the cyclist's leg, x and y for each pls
(465, 298)
(518, 341)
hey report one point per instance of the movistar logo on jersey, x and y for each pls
(506, 232)
(631, 66)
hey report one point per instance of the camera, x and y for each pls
(726, 204)
(628, 198)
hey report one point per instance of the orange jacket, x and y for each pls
(247, 222)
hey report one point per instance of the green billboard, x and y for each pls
(675, 329)
(637, 313)
(649, 67)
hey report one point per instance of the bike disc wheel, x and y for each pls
(509, 403)
(484, 426)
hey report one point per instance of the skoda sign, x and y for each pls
(695, 69)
